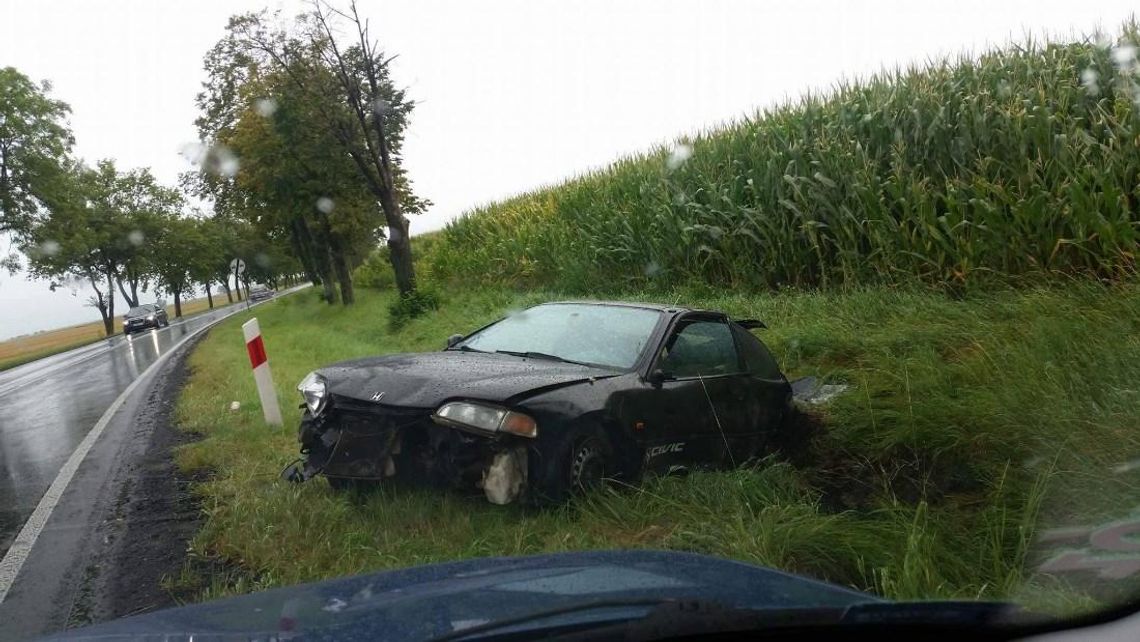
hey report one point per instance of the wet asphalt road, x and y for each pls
(48, 406)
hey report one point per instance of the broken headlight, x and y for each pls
(484, 418)
(314, 389)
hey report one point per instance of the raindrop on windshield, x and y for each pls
(1124, 56)
(49, 248)
(265, 107)
(325, 204)
(652, 269)
(677, 157)
(1089, 78)
(225, 161)
(380, 107)
(394, 234)
(136, 237)
(262, 260)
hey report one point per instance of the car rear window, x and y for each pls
(757, 359)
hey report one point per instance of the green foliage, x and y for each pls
(969, 170)
(413, 304)
(972, 424)
(35, 141)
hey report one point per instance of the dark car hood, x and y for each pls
(424, 380)
(429, 601)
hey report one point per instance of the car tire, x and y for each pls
(583, 460)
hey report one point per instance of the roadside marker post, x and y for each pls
(260, 362)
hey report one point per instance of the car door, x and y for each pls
(699, 399)
(765, 390)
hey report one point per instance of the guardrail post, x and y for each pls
(260, 362)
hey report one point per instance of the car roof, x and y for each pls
(660, 307)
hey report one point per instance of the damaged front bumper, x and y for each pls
(347, 443)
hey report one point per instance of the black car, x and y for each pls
(261, 294)
(141, 317)
(551, 399)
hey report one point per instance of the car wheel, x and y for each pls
(590, 461)
(579, 461)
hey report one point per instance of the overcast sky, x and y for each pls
(512, 95)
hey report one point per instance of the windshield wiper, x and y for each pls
(465, 349)
(530, 354)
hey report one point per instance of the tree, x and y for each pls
(333, 140)
(144, 208)
(208, 258)
(81, 238)
(34, 145)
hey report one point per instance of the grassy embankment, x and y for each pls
(985, 395)
(958, 244)
(29, 347)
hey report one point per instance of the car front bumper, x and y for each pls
(378, 443)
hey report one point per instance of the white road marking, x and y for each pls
(22, 546)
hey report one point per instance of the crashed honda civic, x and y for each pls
(549, 401)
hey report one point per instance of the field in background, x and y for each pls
(29, 347)
(970, 425)
(1021, 162)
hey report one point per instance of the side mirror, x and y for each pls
(659, 376)
(454, 339)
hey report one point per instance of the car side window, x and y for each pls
(757, 359)
(700, 347)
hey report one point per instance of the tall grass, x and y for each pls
(1021, 161)
(971, 423)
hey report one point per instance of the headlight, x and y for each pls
(314, 389)
(486, 418)
(150, 317)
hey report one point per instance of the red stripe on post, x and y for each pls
(256, 349)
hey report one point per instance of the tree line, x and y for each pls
(299, 162)
(117, 231)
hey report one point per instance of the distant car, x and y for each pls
(148, 315)
(549, 400)
(261, 294)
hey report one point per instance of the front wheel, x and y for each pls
(580, 462)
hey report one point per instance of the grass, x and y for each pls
(971, 423)
(1019, 162)
(29, 347)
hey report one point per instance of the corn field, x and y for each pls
(1024, 160)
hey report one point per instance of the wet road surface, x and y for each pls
(48, 406)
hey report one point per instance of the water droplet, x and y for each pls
(262, 259)
(394, 234)
(652, 269)
(225, 161)
(265, 107)
(136, 237)
(49, 248)
(1003, 89)
(1124, 57)
(1089, 78)
(325, 204)
(380, 107)
(677, 157)
(194, 153)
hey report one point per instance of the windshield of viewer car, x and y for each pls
(611, 336)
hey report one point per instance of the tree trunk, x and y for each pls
(132, 299)
(325, 268)
(237, 285)
(226, 286)
(178, 304)
(101, 304)
(109, 320)
(344, 277)
(209, 296)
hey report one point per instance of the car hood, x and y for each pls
(424, 380)
(426, 602)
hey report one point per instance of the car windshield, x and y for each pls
(140, 311)
(612, 336)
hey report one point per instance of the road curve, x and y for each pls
(49, 405)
